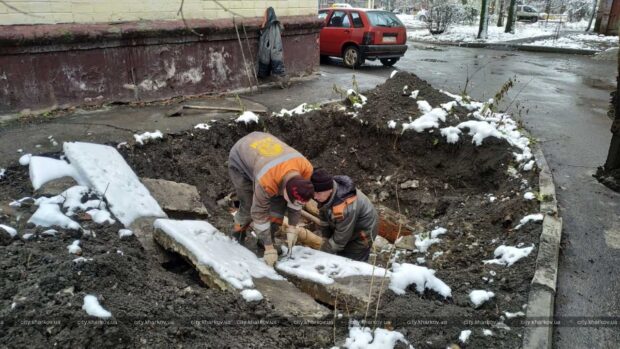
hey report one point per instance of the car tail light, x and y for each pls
(369, 38)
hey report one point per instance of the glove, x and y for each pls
(270, 256)
(292, 234)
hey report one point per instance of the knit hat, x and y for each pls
(322, 180)
(299, 189)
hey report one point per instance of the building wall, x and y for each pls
(110, 11)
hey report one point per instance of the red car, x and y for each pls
(358, 34)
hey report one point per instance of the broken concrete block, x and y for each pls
(178, 200)
(56, 186)
(391, 222)
(334, 280)
(414, 183)
(226, 265)
(381, 243)
(143, 229)
(406, 242)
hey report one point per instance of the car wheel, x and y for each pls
(534, 19)
(388, 62)
(351, 57)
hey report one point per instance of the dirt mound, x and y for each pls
(455, 184)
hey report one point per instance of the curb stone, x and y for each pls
(505, 46)
(541, 299)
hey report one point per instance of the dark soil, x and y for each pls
(454, 186)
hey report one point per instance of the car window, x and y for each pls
(357, 20)
(529, 9)
(322, 15)
(339, 19)
(383, 19)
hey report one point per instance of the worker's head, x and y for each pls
(323, 184)
(298, 192)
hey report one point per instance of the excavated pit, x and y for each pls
(455, 182)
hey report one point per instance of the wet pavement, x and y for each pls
(562, 100)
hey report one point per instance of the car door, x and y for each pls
(337, 30)
(357, 27)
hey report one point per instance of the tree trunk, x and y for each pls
(484, 20)
(500, 17)
(594, 3)
(510, 21)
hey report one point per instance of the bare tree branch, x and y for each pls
(180, 12)
(17, 10)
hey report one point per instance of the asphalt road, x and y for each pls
(563, 101)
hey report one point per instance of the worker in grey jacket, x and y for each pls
(349, 221)
(271, 179)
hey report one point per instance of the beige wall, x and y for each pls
(93, 11)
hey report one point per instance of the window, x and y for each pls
(357, 20)
(322, 15)
(339, 19)
(383, 19)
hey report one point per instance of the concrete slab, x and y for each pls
(204, 247)
(178, 200)
(143, 230)
(539, 308)
(55, 187)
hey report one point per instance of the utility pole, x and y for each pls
(510, 21)
(484, 20)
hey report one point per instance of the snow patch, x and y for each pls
(2, 173)
(109, 175)
(530, 218)
(24, 160)
(11, 231)
(81, 260)
(247, 117)
(510, 315)
(509, 255)
(93, 308)
(203, 126)
(464, 336)
(415, 94)
(299, 110)
(391, 124)
(43, 170)
(480, 130)
(451, 133)
(147, 136)
(252, 295)
(123, 233)
(428, 120)
(487, 332)
(393, 73)
(48, 215)
(529, 196)
(364, 338)
(213, 249)
(323, 268)
(75, 248)
(478, 297)
(101, 216)
(438, 231)
(406, 274)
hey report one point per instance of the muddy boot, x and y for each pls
(239, 233)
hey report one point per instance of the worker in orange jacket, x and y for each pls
(271, 179)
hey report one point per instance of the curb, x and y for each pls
(505, 46)
(541, 299)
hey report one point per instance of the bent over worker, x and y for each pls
(271, 179)
(349, 221)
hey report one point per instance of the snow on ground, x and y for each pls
(479, 130)
(147, 136)
(213, 249)
(81, 260)
(464, 336)
(478, 297)
(406, 274)
(2, 172)
(108, 174)
(123, 233)
(71, 200)
(529, 196)
(410, 21)
(299, 110)
(247, 117)
(510, 315)
(438, 231)
(101, 216)
(430, 118)
(509, 255)
(44, 169)
(93, 308)
(24, 160)
(323, 268)
(579, 41)
(252, 295)
(11, 231)
(364, 338)
(48, 215)
(469, 33)
(530, 218)
(487, 332)
(75, 248)
(203, 126)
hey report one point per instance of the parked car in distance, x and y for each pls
(357, 35)
(528, 13)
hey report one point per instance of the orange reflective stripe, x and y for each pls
(338, 210)
(273, 177)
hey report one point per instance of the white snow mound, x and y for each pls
(252, 295)
(478, 297)
(11, 231)
(147, 136)
(48, 215)
(364, 338)
(43, 170)
(509, 255)
(93, 308)
(406, 274)
(464, 336)
(247, 117)
(530, 218)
